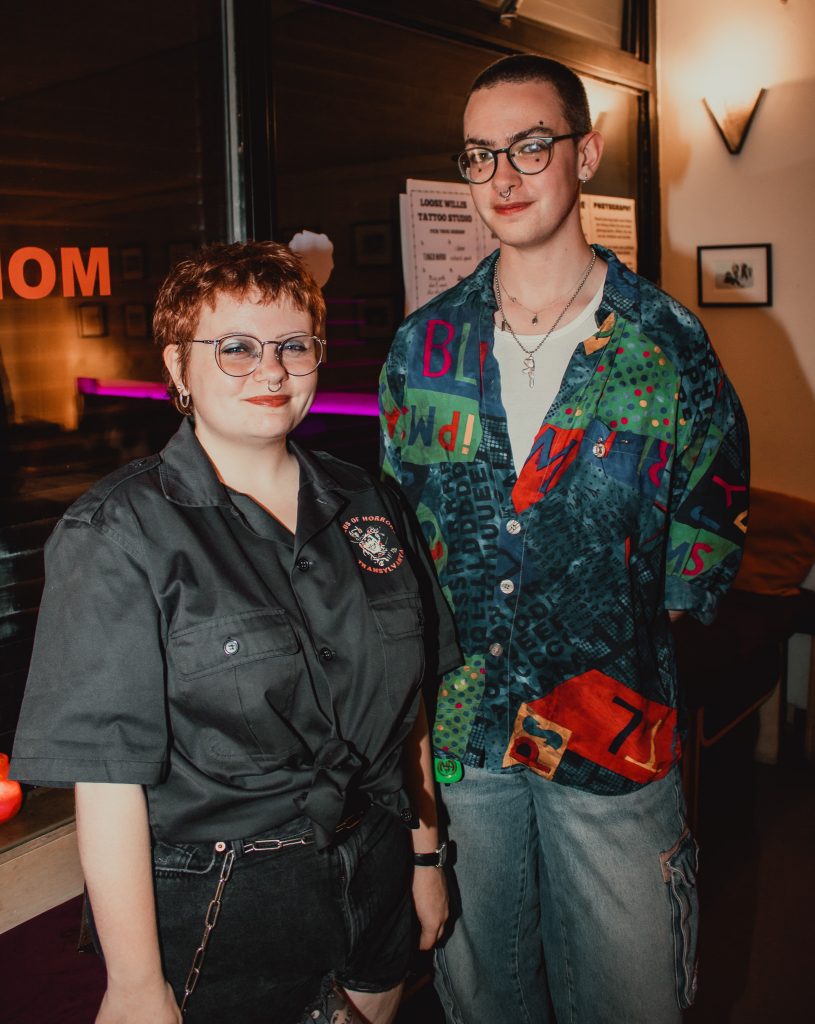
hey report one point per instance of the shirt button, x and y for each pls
(326, 654)
(513, 527)
(303, 564)
(496, 650)
(506, 586)
(231, 646)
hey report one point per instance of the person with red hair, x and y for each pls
(228, 666)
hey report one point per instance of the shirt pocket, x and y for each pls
(235, 682)
(400, 623)
(640, 462)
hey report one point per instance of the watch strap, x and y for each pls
(436, 859)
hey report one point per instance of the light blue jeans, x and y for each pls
(570, 900)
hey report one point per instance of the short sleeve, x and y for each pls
(94, 708)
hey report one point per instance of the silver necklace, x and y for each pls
(517, 302)
(529, 361)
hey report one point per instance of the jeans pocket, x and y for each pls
(174, 860)
(679, 867)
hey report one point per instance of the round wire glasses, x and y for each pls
(238, 355)
(530, 155)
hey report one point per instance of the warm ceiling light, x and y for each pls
(733, 118)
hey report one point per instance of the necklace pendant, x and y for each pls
(535, 319)
(529, 370)
(503, 325)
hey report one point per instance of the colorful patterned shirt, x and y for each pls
(633, 500)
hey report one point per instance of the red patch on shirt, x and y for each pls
(602, 720)
(553, 451)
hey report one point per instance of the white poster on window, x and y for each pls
(611, 221)
(443, 238)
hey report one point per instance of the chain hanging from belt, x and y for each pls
(210, 920)
(214, 908)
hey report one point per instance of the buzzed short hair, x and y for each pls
(528, 67)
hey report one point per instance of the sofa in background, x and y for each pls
(731, 667)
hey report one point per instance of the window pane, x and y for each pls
(111, 131)
(360, 106)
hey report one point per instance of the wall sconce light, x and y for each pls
(733, 119)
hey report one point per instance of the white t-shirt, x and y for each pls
(526, 407)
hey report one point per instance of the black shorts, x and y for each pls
(290, 919)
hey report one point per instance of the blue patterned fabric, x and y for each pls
(632, 501)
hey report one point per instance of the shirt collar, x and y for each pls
(188, 476)
(621, 292)
(186, 473)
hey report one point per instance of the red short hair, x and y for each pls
(236, 269)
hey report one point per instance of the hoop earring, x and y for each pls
(184, 399)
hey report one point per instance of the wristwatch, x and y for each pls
(436, 859)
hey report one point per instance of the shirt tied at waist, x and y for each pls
(325, 802)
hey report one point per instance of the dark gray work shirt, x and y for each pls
(189, 643)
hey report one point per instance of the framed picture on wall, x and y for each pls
(734, 275)
(133, 263)
(377, 317)
(135, 320)
(92, 320)
(373, 244)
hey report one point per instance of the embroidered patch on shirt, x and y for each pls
(375, 543)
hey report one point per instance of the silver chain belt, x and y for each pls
(214, 908)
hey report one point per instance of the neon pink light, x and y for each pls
(121, 388)
(338, 403)
(346, 403)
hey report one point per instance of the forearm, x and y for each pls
(114, 847)
(420, 784)
(429, 883)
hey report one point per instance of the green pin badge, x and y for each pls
(448, 769)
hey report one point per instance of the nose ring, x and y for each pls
(506, 193)
(274, 387)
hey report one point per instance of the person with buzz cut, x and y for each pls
(578, 461)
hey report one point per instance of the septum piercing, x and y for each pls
(274, 388)
(507, 193)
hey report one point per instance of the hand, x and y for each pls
(431, 904)
(145, 1006)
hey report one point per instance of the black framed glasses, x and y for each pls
(530, 155)
(238, 355)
